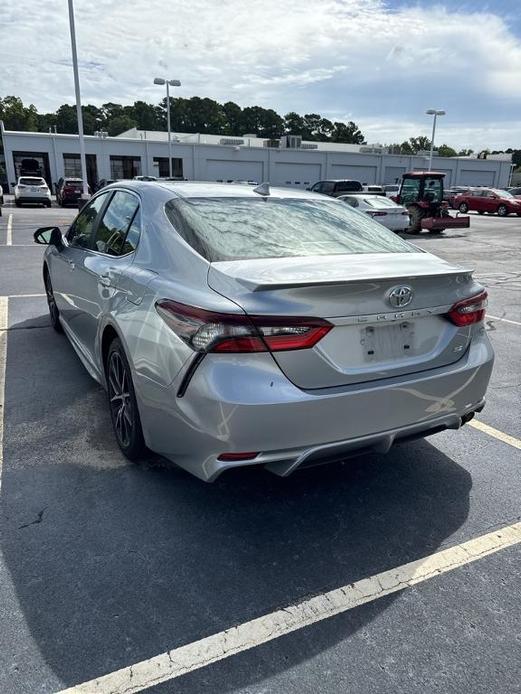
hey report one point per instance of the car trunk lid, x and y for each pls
(372, 338)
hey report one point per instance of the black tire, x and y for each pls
(122, 403)
(502, 211)
(47, 204)
(416, 215)
(481, 211)
(463, 207)
(54, 313)
(17, 203)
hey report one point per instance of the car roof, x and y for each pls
(209, 189)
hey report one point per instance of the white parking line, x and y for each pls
(9, 239)
(506, 438)
(3, 361)
(243, 637)
(504, 320)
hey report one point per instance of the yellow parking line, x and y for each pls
(486, 429)
(239, 638)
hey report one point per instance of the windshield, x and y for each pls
(32, 182)
(502, 193)
(239, 228)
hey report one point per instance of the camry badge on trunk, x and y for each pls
(400, 296)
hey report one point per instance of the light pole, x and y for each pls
(435, 113)
(169, 83)
(83, 160)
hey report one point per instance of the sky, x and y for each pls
(381, 63)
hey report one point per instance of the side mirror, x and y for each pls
(49, 236)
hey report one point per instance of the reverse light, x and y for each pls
(209, 331)
(469, 311)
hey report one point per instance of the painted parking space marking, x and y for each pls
(9, 238)
(487, 429)
(193, 656)
(504, 320)
(3, 362)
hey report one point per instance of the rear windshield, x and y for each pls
(73, 182)
(351, 186)
(240, 228)
(32, 181)
(380, 201)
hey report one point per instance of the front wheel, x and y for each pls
(502, 210)
(463, 207)
(416, 214)
(122, 402)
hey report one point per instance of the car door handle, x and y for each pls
(104, 280)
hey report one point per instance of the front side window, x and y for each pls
(348, 187)
(238, 228)
(410, 190)
(112, 230)
(80, 233)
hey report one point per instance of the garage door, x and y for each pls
(393, 174)
(364, 174)
(222, 170)
(295, 174)
(475, 178)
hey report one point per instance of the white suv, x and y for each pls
(32, 189)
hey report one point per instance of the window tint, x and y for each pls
(317, 187)
(236, 228)
(133, 234)
(348, 186)
(410, 188)
(112, 229)
(31, 182)
(80, 232)
(327, 187)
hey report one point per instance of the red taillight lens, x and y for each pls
(209, 331)
(469, 311)
(237, 456)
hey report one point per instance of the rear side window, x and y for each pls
(238, 228)
(111, 233)
(327, 187)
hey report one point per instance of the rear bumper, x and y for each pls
(34, 198)
(458, 222)
(234, 404)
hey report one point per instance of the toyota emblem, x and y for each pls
(399, 297)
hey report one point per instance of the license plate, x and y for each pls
(383, 342)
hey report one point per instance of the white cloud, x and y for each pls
(328, 56)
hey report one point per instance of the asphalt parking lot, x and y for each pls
(106, 565)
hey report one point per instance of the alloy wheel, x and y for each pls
(120, 399)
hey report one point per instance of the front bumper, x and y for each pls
(244, 403)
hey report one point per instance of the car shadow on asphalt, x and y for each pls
(114, 562)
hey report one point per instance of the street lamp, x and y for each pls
(169, 83)
(435, 113)
(83, 160)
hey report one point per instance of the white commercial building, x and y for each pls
(286, 162)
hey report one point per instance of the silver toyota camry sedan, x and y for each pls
(236, 326)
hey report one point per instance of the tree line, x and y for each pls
(204, 115)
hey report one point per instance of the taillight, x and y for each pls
(208, 331)
(469, 311)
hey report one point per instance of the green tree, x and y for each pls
(148, 116)
(446, 151)
(233, 116)
(293, 123)
(348, 133)
(16, 116)
(119, 124)
(465, 152)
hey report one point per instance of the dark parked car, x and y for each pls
(337, 187)
(489, 200)
(68, 191)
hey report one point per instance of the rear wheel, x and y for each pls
(416, 215)
(122, 402)
(51, 303)
(481, 211)
(17, 203)
(502, 210)
(463, 207)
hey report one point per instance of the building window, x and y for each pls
(161, 167)
(124, 167)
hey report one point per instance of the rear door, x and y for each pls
(111, 251)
